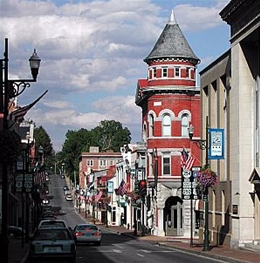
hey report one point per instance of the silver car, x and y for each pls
(87, 233)
(52, 244)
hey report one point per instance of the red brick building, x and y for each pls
(95, 162)
(170, 101)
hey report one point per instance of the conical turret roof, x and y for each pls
(172, 44)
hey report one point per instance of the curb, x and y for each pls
(204, 254)
(24, 258)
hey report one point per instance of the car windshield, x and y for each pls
(52, 234)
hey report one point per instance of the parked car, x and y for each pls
(87, 233)
(68, 197)
(65, 188)
(52, 223)
(52, 244)
(46, 201)
(15, 231)
(48, 215)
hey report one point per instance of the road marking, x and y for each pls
(108, 251)
(118, 246)
(151, 251)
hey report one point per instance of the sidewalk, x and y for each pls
(18, 254)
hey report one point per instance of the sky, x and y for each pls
(92, 55)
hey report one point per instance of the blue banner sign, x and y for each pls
(216, 144)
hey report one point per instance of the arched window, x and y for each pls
(151, 125)
(166, 125)
(144, 133)
(184, 125)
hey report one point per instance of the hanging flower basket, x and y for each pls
(206, 178)
(10, 145)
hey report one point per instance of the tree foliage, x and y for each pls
(75, 143)
(109, 135)
(43, 139)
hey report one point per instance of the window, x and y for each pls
(164, 72)
(151, 125)
(187, 72)
(102, 162)
(177, 72)
(166, 125)
(90, 162)
(154, 72)
(166, 165)
(184, 125)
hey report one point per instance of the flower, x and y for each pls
(206, 178)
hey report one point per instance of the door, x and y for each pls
(174, 217)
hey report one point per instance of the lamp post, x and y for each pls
(155, 167)
(26, 194)
(10, 89)
(203, 145)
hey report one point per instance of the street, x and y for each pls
(115, 248)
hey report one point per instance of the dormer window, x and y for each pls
(164, 72)
(154, 72)
(188, 73)
(177, 72)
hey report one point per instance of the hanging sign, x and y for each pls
(216, 144)
(110, 187)
(189, 185)
(186, 184)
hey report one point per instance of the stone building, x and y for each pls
(230, 98)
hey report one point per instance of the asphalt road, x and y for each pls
(116, 248)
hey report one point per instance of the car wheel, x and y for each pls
(97, 243)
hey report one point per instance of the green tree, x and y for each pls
(110, 135)
(75, 143)
(42, 139)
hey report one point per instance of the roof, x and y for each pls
(172, 44)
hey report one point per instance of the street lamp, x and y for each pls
(155, 167)
(10, 89)
(203, 145)
(28, 137)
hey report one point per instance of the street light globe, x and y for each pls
(34, 62)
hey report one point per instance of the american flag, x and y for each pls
(39, 178)
(99, 195)
(187, 160)
(122, 189)
(18, 115)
